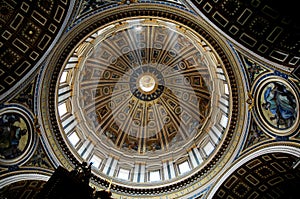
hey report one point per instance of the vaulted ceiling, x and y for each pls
(267, 28)
(270, 29)
(74, 73)
(27, 35)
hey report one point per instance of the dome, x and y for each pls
(147, 99)
(143, 91)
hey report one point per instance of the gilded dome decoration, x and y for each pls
(149, 100)
(142, 86)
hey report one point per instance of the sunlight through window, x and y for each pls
(123, 174)
(74, 139)
(62, 109)
(154, 176)
(184, 167)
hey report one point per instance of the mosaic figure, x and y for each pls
(279, 105)
(13, 135)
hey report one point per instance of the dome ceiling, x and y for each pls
(167, 99)
(144, 91)
(146, 98)
(143, 87)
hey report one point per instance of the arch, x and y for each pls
(291, 150)
(23, 176)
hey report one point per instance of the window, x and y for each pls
(96, 161)
(224, 121)
(184, 167)
(208, 148)
(154, 176)
(74, 139)
(63, 77)
(226, 89)
(123, 174)
(62, 109)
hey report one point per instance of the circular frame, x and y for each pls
(21, 139)
(276, 106)
(237, 114)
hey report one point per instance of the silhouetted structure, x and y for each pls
(72, 185)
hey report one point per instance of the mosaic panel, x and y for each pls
(40, 159)
(26, 96)
(255, 136)
(14, 132)
(17, 136)
(253, 68)
(276, 105)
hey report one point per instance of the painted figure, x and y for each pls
(281, 103)
(11, 132)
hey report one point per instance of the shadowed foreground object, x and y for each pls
(71, 185)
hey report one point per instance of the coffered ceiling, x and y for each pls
(27, 31)
(270, 29)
